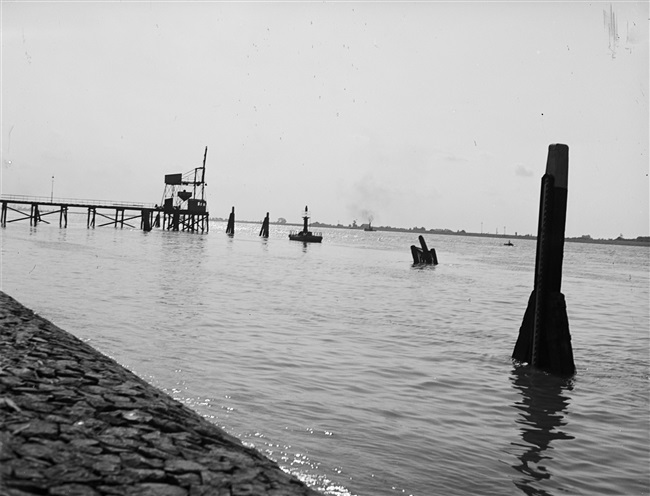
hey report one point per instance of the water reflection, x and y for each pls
(180, 263)
(542, 411)
(419, 266)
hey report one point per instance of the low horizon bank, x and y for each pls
(638, 241)
(586, 238)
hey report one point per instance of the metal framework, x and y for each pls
(182, 209)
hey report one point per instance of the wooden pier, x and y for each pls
(181, 210)
(101, 213)
(117, 214)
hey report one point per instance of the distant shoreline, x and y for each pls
(640, 241)
(645, 241)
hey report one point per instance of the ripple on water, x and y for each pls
(356, 371)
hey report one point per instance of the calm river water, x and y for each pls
(354, 370)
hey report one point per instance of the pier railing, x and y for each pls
(75, 202)
(176, 219)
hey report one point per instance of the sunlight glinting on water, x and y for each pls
(356, 371)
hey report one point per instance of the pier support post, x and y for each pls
(264, 231)
(145, 224)
(3, 216)
(544, 340)
(91, 217)
(230, 228)
(63, 216)
(35, 216)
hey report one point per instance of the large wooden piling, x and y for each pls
(63, 216)
(230, 228)
(264, 231)
(544, 340)
(424, 255)
(145, 223)
(92, 212)
(35, 217)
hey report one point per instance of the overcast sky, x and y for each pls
(427, 114)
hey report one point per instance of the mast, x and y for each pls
(205, 156)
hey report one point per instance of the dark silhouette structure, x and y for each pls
(264, 231)
(544, 340)
(306, 236)
(142, 211)
(230, 228)
(183, 209)
(424, 255)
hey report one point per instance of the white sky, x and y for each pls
(432, 114)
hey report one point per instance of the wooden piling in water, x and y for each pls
(544, 339)
(91, 217)
(63, 216)
(424, 255)
(230, 228)
(145, 223)
(264, 231)
(35, 217)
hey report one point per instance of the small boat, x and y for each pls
(306, 236)
(509, 243)
(369, 228)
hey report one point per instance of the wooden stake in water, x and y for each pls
(230, 228)
(264, 231)
(544, 339)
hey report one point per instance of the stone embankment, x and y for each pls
(73, 422)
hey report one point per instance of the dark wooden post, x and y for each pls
(146, 219)
(63, 216)
(544, 340)
(264, 231)
(230, 228)
(91, 217)
(426, 254)
(3, 216)
(35, 218)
